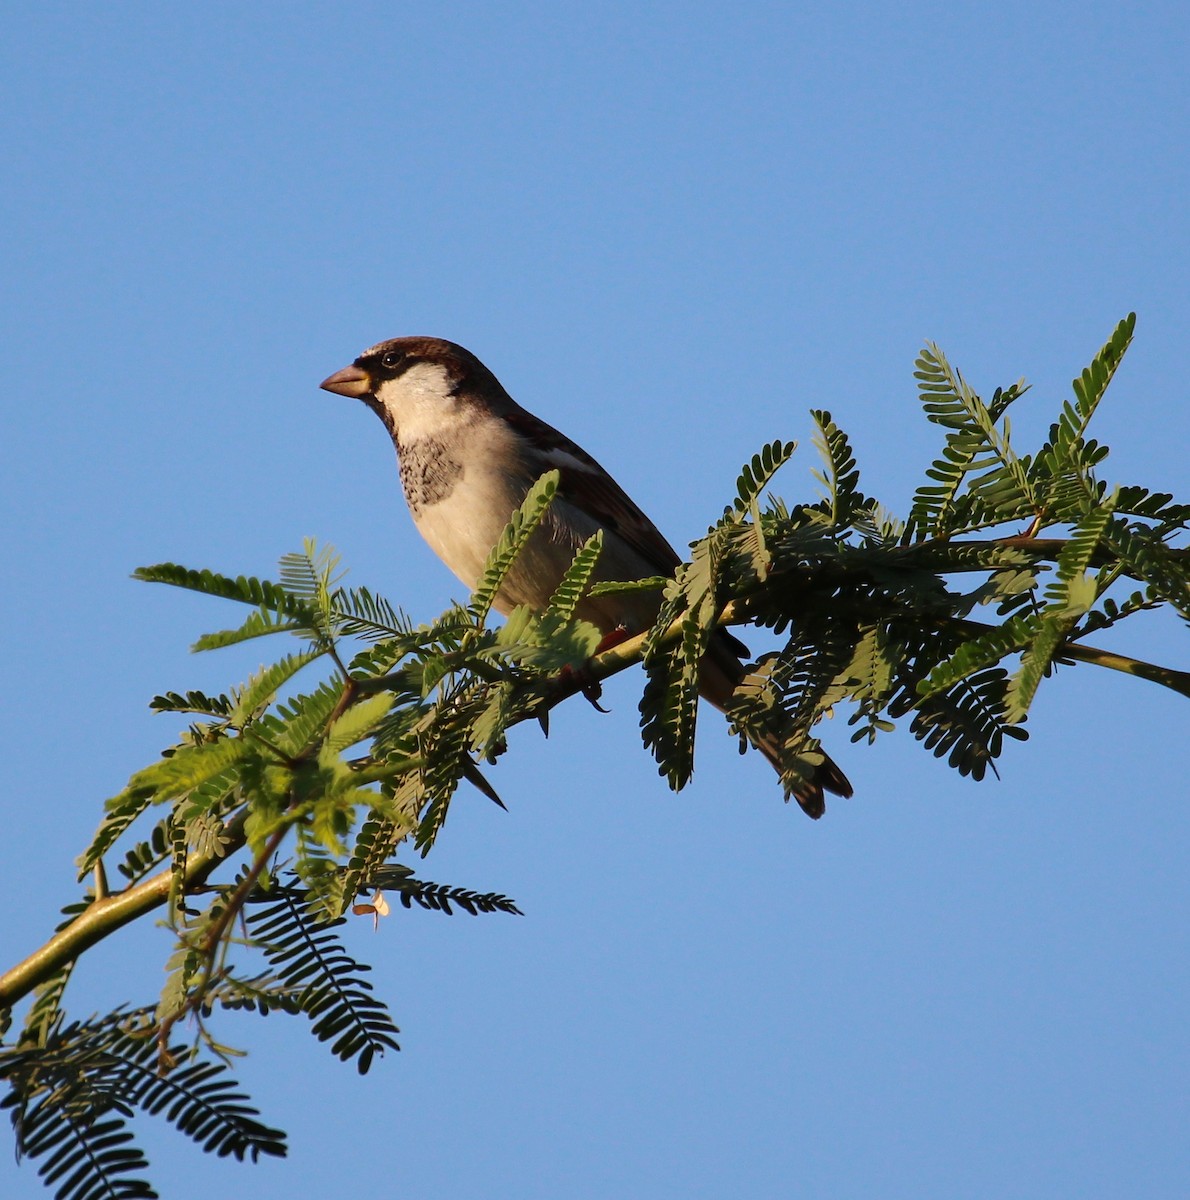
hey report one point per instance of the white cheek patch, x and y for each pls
(419, 402)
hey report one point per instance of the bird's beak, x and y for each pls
(350, 381)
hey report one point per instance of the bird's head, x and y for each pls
(419, 386)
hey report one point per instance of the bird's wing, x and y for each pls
(587, 485)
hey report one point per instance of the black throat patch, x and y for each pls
(428, 473)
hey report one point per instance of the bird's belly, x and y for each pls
(463, 528)
(465, 524)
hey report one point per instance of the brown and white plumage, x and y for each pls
(468, 454)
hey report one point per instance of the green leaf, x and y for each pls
(364, 614)
(311, 957)
(246, 590)
(1068, 597)
(193, 702)
(548, 641)
(651, 583)
(190, 766)
(976, 654)
(573, 585)
(756, 475)
(1004, 484)
(841, 478)
(357, 723)
(260, 691)
(262, 623)
(311, 576)
(512, 541)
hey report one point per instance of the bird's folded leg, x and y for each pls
(612, 638)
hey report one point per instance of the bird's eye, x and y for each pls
(391, 359)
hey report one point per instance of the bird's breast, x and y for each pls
(461, 493)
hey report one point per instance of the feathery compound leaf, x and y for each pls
(203, 1102)
(119, 812)
(756, 475)
(669, 705)
(363, 614)
(298, 723)
(445, 744)
(949, 401)
(1091, 385)
(256, 592)
(375, 844)
(311, 577)
(45, 1014)
(358, 722)
(147, 855)
(934, 505)
(548, 641)
(1066, 594)
(70, 1097)
(968, 722)
(312, 960)
(1146, 558)
(1113, 612)
(190, 766)
(650, 583)
(1154, 506)
(668, 710)
(574, 583)
(310, 573)
(438, 897)
(1062, 468)
(841, 478)
(1070, 595)
(979, 653)
(512, 541)
(260, 691)
(262, 623)
(192, 702)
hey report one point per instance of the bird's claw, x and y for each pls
(583, 682)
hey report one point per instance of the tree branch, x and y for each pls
(105, 916)
(108, 914)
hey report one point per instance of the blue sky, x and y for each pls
(671, 230)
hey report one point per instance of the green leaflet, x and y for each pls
(1000, 480)
(261, 690)
(245, 589)
(516, 533)
(756, 475)
(72, 1095)
(573, 585)
(1068, 597)
(841, 477)
(262, 623)
(361, 613)
(357, 723)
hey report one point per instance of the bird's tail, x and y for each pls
(719, 677)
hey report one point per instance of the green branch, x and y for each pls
(107, 915)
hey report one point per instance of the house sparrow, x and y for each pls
(468, 454)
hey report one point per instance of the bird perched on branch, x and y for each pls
(468, 455)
